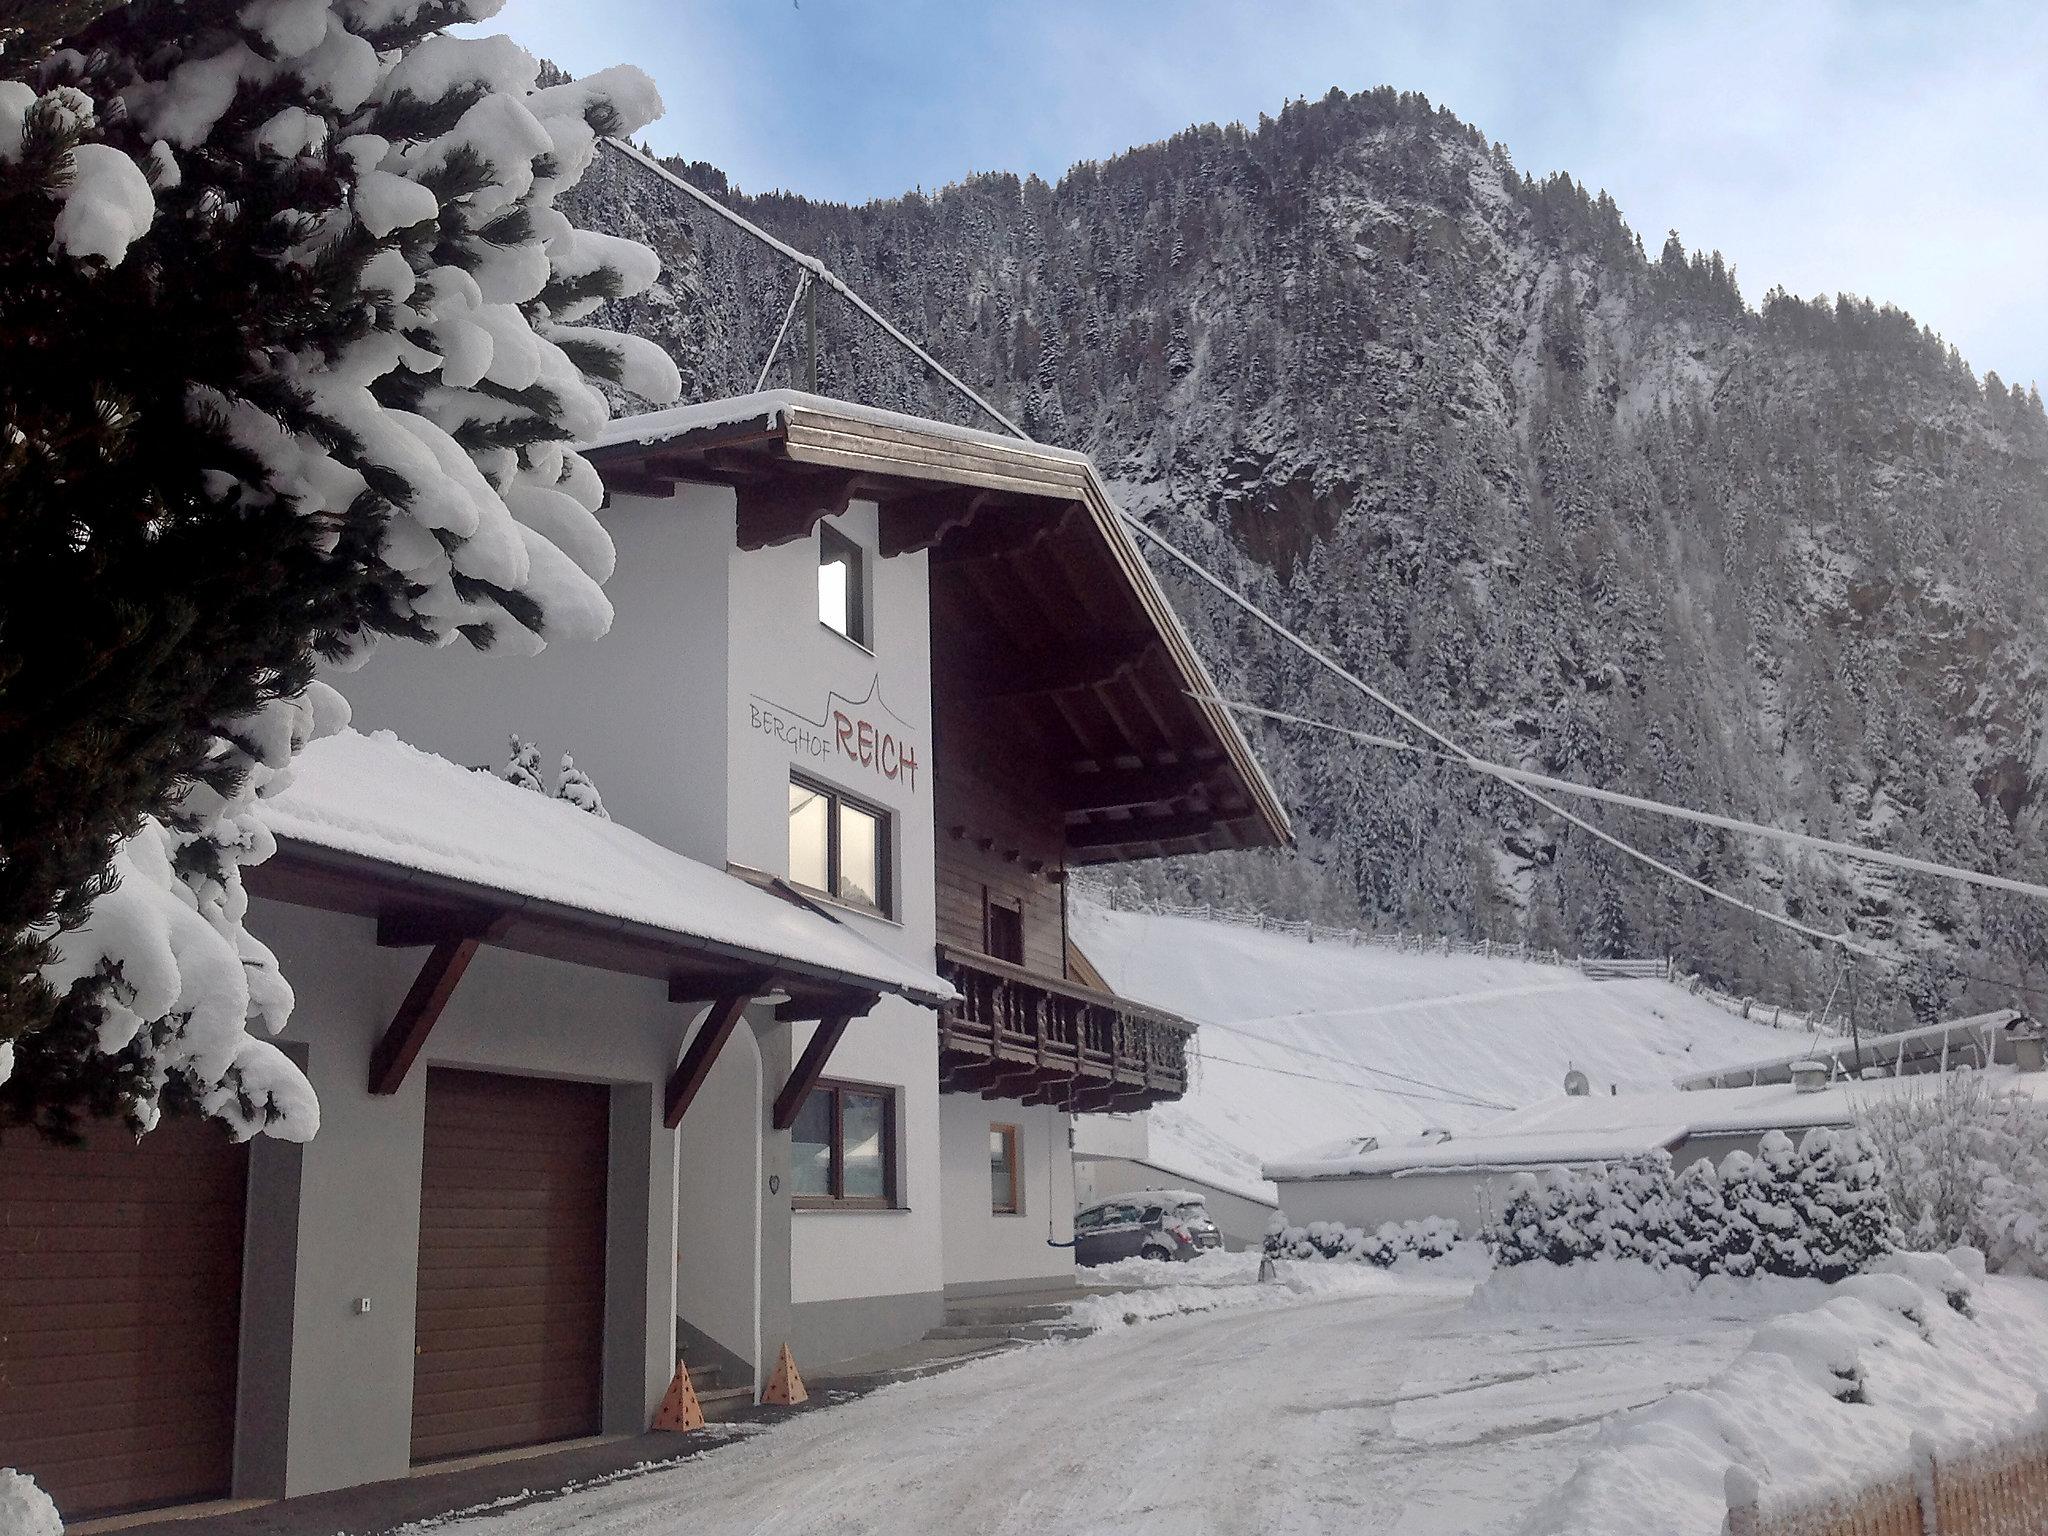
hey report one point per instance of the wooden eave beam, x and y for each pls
(702, 1054)
(911, 523)
(1081, 666)
(403, 1039)
(811, 1066)
(995, 540)
(1130, 789)
(785, 509)
(1143, 830)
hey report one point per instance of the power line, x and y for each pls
(1338, 1082)
(819, 273)
(1358, 1066)
(1656, 807)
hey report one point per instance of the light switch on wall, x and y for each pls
(362, 1305)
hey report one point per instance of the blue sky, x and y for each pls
(1895, 150)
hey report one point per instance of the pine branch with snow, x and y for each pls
(290, 353)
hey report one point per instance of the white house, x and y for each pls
(789, 1051)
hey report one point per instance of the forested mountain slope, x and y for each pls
(1579, 504)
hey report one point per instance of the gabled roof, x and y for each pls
(1060, 622)
(374, 826)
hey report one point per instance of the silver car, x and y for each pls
(1164, 1224)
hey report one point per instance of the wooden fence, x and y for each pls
(1998, 1491)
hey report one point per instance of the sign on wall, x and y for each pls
(864, 733)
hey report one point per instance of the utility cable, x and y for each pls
(819, 273)
(1339, 1082)
(1656, 807)
(803, 286)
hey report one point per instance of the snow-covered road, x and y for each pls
(1392, 1409)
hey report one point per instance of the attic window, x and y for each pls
(842, 586)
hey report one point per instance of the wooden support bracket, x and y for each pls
(811, 1066)
(704, 1047)
(400, 1047)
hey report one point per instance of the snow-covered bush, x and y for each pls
(1963, 1164)
(1816, 1210)
(290, 353)
(1432, 1237)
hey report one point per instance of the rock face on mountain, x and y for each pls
(1577, 504)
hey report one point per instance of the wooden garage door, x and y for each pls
(511, 1296)
(120, 1302)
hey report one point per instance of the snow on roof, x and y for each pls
(1927, 1043)
(770, 406)
(380, 798)
(1602, 1128)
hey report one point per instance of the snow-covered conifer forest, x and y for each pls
(1562, 486)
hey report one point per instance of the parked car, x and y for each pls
(1164, 1224)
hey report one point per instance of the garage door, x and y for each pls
(120, 1298)
(511, 1293)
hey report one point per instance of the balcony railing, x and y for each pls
(1017, 1034)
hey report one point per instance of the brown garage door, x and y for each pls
(511, 1297)
(120, 1299)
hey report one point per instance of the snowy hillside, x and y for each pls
(1303, 1044)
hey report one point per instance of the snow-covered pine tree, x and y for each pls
(1515, 1235)
(523, 766)
(289, 357)
(1852, 1190)
(1778, 1206)
(1740, 1235)
(1698, 1217)
(575, 787)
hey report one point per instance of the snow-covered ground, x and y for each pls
(1384, 1404)
(1305, 1044)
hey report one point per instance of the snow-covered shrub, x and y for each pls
(1815, 1210)
(1432, 1237)
(291, 351)
(1965, 1165)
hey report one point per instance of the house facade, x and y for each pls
(789, 1050)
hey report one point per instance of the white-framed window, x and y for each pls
(1005, 1169)
(843, 587)
(839, 846)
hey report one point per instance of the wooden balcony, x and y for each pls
(1015, 1034)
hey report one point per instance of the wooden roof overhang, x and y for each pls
(451, 919)
(1053, 621)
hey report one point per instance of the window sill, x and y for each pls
(859, 645)
(837, 905)
(839, 1208)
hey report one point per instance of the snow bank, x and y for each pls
(25, 1510)
(1824, 1400)
(1604, 1285)
(1223, 1281)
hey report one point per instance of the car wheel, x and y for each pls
(1157, 1251)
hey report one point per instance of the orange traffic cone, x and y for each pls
(680, 1409)
(785, 1387)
